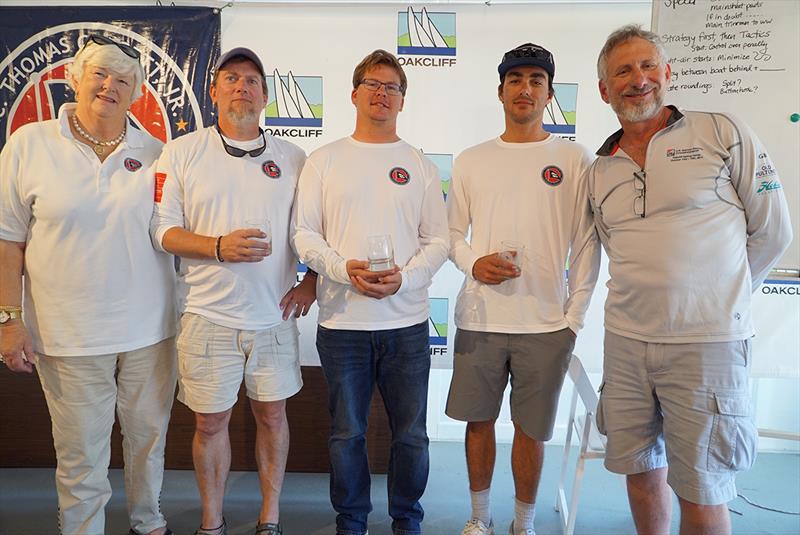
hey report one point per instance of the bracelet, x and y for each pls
(217, 254)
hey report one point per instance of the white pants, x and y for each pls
(81, 394)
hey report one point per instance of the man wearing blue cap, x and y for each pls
(222, 203)
(524, 199)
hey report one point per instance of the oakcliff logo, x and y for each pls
(426, 39)
(560, 115)
(294, 107)
(443, 162)
(34, 82)
(437, 325)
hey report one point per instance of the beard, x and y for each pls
(243, 114)
(637, 112)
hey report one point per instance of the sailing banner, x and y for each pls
(178, 45)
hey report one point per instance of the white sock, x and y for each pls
(481, 505)
(523, 514)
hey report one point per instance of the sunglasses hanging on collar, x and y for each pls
(236, 152)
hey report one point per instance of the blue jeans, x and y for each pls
(398, 361)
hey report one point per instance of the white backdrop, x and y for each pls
(449, 108)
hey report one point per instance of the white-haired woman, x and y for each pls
(76, 197)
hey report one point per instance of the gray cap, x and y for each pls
(239, 52)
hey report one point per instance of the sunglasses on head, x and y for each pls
(102, 40)
(236, 152)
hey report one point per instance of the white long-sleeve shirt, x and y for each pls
(716, 220)
(209, 192)
(534, 194)
(350, 190)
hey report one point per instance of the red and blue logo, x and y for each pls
(34, 78)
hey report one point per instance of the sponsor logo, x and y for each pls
(560, 114)
(132, 164)
(271, 169)
(765, 171)
(399, 176)
(767, 186)
(159, 189)
(34, 81)
(443, 162)
(683, 155)
(294, 108)
(437, 325)
(777, 288)
(426, 39)
(552, 175)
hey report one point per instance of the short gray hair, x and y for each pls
(108, 57)
(623, 35)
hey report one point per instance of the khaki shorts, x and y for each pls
(212, 360)
(685, 406)
(536, 363)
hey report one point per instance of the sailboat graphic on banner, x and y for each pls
(424, 33)
(559, 115)
(291, 101)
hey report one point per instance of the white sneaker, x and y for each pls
(512, 531)
(477, 527)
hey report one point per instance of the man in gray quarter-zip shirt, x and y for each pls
(690, 211)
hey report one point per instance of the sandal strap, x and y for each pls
(268, 528)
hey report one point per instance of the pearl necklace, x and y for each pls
(99, 146)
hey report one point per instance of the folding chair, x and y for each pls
(592, 443)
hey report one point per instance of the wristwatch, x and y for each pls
(10, 313)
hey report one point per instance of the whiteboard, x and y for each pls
(741, 56)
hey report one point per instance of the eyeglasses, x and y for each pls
(103, 40)
(529, 51)
(236, 152)
(373, 85)
(640, 201)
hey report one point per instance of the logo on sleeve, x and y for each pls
(399, 176)
(271, 169)
(552, 175)
(132, 164)
(768, 185)
(159, 190)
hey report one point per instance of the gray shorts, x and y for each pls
(685, 406)
(537, 364)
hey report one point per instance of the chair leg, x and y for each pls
(567, 445)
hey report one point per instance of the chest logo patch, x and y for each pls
(399, 176)
(132, 164)
(271, 169)
(552, 175)
(687, 154)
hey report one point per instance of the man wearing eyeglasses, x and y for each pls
(373, 324)
(513, 314)
(222, 203)
(690, 210)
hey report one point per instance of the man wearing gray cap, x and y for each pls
(223, 198)
(524, 198)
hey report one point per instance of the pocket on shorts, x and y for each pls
(193, 359)
(279, 349)
(734, 438)
(600, 418)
